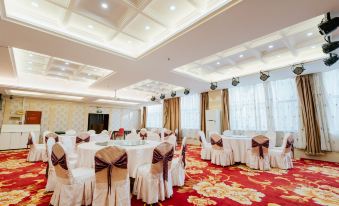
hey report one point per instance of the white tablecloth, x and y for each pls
(94, 137)
(239, 146)
(137, 155)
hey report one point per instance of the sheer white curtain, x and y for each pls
(190, 111)
(248, 108)
(283, 101)
(330, 82)
(154, 114)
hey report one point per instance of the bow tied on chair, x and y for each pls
(168, 134)
(157, 157)
(52, 136)
(219, 142)
(183, 155)
(261, 146)
(289, 144)
(100, 164)
(80, 140)
(59, 161)
(29, 140)
(143, 136)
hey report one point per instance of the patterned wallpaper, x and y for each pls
(63, 115)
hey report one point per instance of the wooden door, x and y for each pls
(33, 117)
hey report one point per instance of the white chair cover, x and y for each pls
(257, 156)
(73, 187)
(37, 152)
(272, 135)
(153, 136)
(44, 135)
(104, 132)
(70, 132)
(50, 173)
(227, 133)
(70, 152)
(112, 179)
(172, 139)
(206, 147)
(143, 134)
(91, 132)
(282, 157)
(153, 182)
(178, 166)
(132, 136)
(133, 131)
(221, 154)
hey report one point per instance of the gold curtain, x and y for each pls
(203, 108)
(308, 113)
(225, 118)
(143, 121)
(171, 109)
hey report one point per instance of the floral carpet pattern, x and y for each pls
(310, 182)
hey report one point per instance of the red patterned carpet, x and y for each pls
(309, 183)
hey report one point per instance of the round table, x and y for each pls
(94, 137)
(137, 155)
(239, 145)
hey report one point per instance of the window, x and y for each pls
(284, 103)
(154, 115)
(248, 108)
(190, 111)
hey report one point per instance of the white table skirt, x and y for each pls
(137, 155)
(239, 146)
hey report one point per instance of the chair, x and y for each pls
(120, 134)
(36, 151)
(272, 135)
(153, 182)
(91, 132)
(83, 137)
(112, 178)
(172, 139)
(51, 135)
(70, 152)
(132, 136)
(73, 186)
(257, 156)
(221, 154)
(50, 172)
(104, 132)
(143, 134)
(70, 132)
(281, 157)
(206, 147)
(227, 133)
(153, 136)
(178, 166)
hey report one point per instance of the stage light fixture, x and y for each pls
(328, 25)
(173, 93)
(187, 91)
(264, 75)
(235, 81)
(298, 69)
(214, 85)
(162, 96)
(330, 46)
(153, 98)
(332, 59)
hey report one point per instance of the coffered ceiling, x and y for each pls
(127, 27)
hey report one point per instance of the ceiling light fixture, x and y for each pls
(90, 26)
(264, 75)
(116, 102)
(162, 96)
(298, 69)
(67, 63)
(241, 55)
(214, 85)
(309, 34)
(312, 47)
(270, 46)
(147, 27)
(30, 55)
(332, 59)
(36, 5)
(327, 25)
(172, 8)
(218, 63)
(153, 98)
(104, 5)
(63, 69)
(187, 91)
(173, 93)
(235, 81)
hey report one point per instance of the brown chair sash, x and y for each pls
(183, 155)
(261, 150)
(100, 164)
(219, 142)
(29, 141)
(157, 157)
(61, 161)
(168, 134)
(143, 136)
(80, 140)
(289, 144)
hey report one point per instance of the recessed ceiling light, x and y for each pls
(35, 4)
(30, 55)
(147, 27)
(312, 47)
(218, 63)
(278, 56)
(104, 5)
(90, 26)
(67, 63)
(241, 55)
(89, 74)
(130, 42)
(309, 34)
(271, 46)
(172, 8)
(63, 69)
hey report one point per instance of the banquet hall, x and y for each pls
(169, 102)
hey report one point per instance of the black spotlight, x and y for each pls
(330, 46)
(153, 98)
(162, 96)
(328, 25)
(331, 60)
(173, 93)
(298, 69)
(214, 85)
(187, 91)
(235, 81)
(264, 75)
